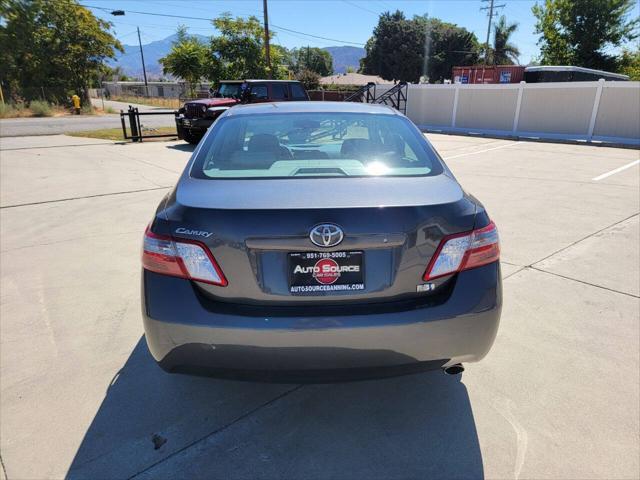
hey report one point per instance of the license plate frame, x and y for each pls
(325, 273)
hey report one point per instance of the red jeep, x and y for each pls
(196, 116)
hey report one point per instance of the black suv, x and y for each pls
(196, 116)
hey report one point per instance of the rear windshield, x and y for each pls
(314, 144)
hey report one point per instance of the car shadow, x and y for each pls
(416, 426)
(183, 147)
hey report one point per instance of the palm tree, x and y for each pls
(504, 53)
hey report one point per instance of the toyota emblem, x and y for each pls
(326, 235)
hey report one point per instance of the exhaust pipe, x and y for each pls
(453, 369)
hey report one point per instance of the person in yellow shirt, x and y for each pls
(76, 104)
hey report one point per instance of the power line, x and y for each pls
(155, 26)
(149, 13)
(206, 29)
(191, 7)
(387, 6)
(316, 36)
(353, 4)
(315, 43)
(278, 27)
(122, 35)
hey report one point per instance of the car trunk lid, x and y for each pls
(256, 242)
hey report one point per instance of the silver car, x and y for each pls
(318, 241)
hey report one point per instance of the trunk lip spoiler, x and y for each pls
(312, 192)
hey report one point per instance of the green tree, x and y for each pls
(504, 52)
(395, 51)
(312, 58)
(447, 45)
(238, 51)
(583, 32)
(52, 48)
(281, 61)
(109, 73)
(405, 50)
(309, 78)
(188, 59)
(630, 64)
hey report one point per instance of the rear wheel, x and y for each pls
(191, 137)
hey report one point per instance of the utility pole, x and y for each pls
(490, 14)
(144, 70)
(119, 13)
(266, 37)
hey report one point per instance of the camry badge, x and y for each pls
(195, 233)
(326, 235)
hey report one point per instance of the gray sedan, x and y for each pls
(318, 241)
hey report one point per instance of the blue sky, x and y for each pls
(342, 20)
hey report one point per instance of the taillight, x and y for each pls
(180, 258)
(463, 251)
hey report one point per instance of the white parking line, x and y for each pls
(613, 172)
(482, 151)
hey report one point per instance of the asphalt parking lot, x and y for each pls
(557, 397)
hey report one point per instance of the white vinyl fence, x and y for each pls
(583, 111)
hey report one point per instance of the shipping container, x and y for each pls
(488, 74)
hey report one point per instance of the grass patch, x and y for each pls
(151, 101)
(88, 109)
(8, 110)
(116, 133)
(40, 108)
(37, 108)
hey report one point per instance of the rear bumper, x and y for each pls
(184, 333)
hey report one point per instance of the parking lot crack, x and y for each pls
(510, 263)
(513, 273)
(84, 197)
(219, 430)
(583, 282)
(583, 239)
(4, 470)
(73, 239)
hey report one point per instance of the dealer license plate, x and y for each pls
(319, 272)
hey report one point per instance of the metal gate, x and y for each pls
(135, 127)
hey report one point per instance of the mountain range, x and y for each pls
(343, 57)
